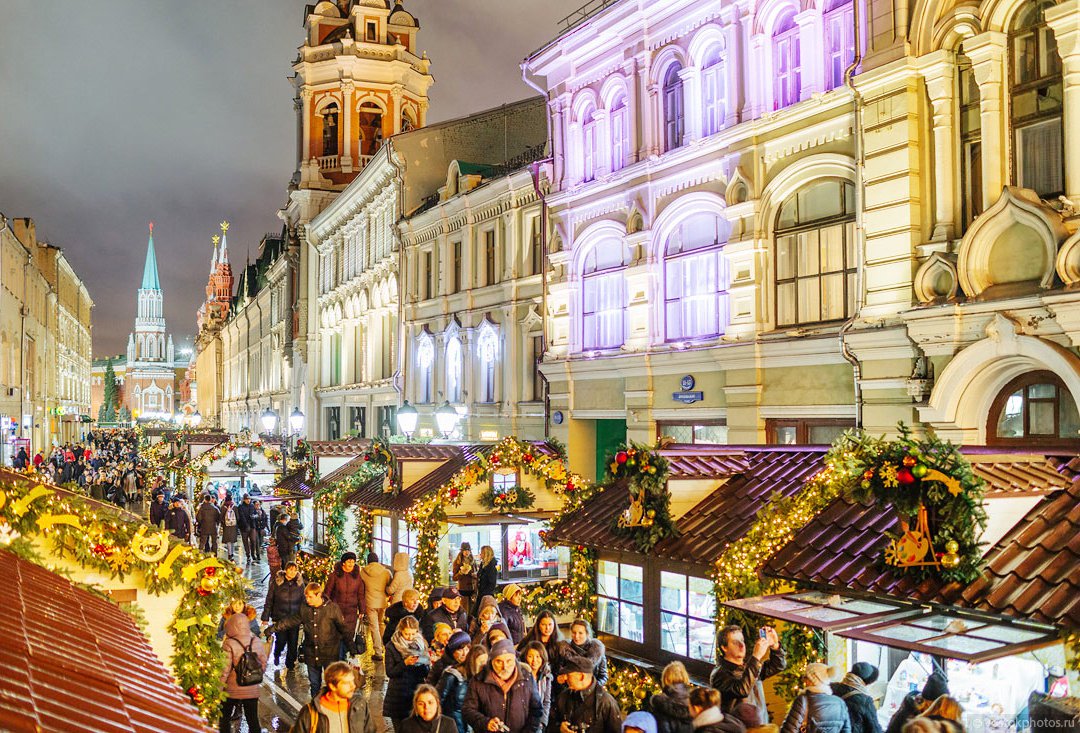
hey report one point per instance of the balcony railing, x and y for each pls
(585, 12)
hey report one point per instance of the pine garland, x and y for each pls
(644, 473)
(575, 596)
(631, 686)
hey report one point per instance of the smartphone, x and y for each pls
(761, 632)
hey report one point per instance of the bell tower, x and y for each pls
(358, 80)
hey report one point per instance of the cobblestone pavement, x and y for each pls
(286, 691)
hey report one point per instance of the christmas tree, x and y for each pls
(112, 395)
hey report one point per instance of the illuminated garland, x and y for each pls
(329, 501)
(198, 467)
(428, 514)
(364, 531)
(314, 568)
(631, 686)
(110, 543)
(514, 498)
(644, 473)
(575, 596)
(379, 455)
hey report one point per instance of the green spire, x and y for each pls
(149, 276)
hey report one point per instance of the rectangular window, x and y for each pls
(700, 432)
(815, 277)
(333, 423)
(620, 595)
(603, 309)
(674, 120)
(1039, 164)
(691, 295)
(358, 421)
(489, 258)
(788, 73)
(383, 539)
(372, 31)
(503, 482)
(387, 424)
(687, 608)
(427, 277)
(456, 284)
(805, 431)
(620, 137)
(537, 251)
(589, 138)
(712, 82)
(407, 542)
(537, 379)
(840, 44)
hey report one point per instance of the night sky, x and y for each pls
(116, 113)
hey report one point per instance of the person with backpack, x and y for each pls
(230, 532)
(242, 672)
(860, 703)
(816, 709)
(341, 707)
(206, 525)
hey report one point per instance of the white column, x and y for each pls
(811, 52)
(558, 139)
(396, 93)
(940, 76)
(734, 63)
(1064, 20)
(758, 77)
(346, 136)
(633, 109)
(305, 95)
(987, 54)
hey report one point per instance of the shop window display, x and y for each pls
(619, 589)
(687, 607)
(518, 549)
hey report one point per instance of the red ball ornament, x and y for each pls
(193, 690)
(202, 591)
(569, 485)
(367, 457)
(565, 590)
(905, 477)
(210, 571)
(453, 493)
(99, 549)
(528, 457)
(621, 457)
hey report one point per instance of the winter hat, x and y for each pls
(457, 640)
(435, 596)
(372, 557)
(485, 602)
(346, 556)
(499, 626)
(641, 720)
(501, 647)
(576, 663)
(509, 591)
(936, 686)
(466, 546)
(816, 675)
(865, 671)
(439, 627)
(450, 594)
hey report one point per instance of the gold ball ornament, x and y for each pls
(952, 547)
(950, 560)
(209, 583)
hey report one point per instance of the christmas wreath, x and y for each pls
(504, 500)
(379, 455)
(644, 473)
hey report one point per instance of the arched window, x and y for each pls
(1036, 93)
(786, 62)
(620, 133)
(453, 369)
(329, 129)
(694, 278)
(839, 40)
(712, 92)
(971, 193)
(425, 360)
(815, 254)
(674, 116)
(604, 296)
(590, 150)
(488, 351)
(1034, 409)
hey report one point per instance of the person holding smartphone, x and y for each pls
(738, 676)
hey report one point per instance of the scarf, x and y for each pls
(505, 685)
(856, 683)
(415, 648)
(708, 716)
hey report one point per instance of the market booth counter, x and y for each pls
(659, 606)
(996, 637)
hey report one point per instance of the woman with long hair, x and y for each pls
(464, 574)
(407, 666)
(671, 706)
(536, 659)
(487, 575)
(427, 714)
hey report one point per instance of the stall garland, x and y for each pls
(631, 686)
(644, 473)
(380, 456)
(197, 468)
(505, 500)
(107, 542)
(904, 473)
(428, 514)
(575, 596)
(330, 501)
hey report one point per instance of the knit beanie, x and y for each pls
(865, 671)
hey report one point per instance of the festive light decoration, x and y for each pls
(314, 568)
(107, 542)
(644, 473)
(199, 466)
(379, 455)
(428, 515)
(631, 686)
(575, 596)
(504, 500)
(363, 530)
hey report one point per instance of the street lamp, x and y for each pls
(296, 421)
(269, 420)
(446, 417)
(407, 417)
(196, 418)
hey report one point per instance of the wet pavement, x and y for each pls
(285, 691)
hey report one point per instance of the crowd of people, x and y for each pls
(453, 666)
(105, 464)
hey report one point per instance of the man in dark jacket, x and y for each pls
(341, 689)
(207, 520)
(258, 514)
(510, 610)
(450, 613)
(245, 527)
(158, 510)
(178, 520)
(283, 540)
(409, 605)
(584, 706)
(738, 676)
(504, 696)
(284, 599)
(860, 703)
(324, 632)
(345, 587)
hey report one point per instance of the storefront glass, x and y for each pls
(687, 606)
(518, 549)
(619, 588)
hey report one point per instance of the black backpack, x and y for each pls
(248, 668)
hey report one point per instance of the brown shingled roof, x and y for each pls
(1033, 572)
(103, 676)
(754, 474)
(372, 496)
(296, 484)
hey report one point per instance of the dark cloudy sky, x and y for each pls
(117, 112)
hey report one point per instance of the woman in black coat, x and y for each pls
(427, 714)
(860, 703)
(407, 666)
(671, 707)
(487, 577)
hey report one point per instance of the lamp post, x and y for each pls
(296, 426)
(407, 417)
(446, 418)
(196, 418)
(269, 420)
